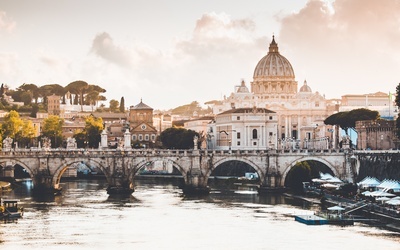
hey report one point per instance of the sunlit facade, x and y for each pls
(300, 113)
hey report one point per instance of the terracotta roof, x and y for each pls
(141, 105)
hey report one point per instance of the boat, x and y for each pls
(9, 209)
(5, 186)
(311, 219)
(332, 216)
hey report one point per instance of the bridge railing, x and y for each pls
(163, 152)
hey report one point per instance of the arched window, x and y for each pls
(255, 134)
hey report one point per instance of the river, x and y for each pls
(159, 216)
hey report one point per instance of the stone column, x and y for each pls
(127, 139)
(104, 139)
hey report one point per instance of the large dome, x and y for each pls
(273, 65)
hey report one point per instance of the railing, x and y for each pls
(159, 152)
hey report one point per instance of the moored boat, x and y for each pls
(9, 209)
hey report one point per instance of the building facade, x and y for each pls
(300, 113)
(379, 101)
(376, 135)
(141, 125)
(243, 128)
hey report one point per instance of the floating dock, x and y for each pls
(311, 219)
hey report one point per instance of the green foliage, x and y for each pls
(80, 138)
(93, 129)
(187, 109)
(52, 128)
(79, 88)
(122, 105)
(347, 119)
(178, 138)
(26, 134)
(35, 109)
(17, 129)
(114, 105)
(12, 124)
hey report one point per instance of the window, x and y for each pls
(238, 143)
(153, 137)
(238, 118)
(255, 134)
(254, 143)
(146, 137)
(238, 135)
(134, 138)
(270, 133)
(140, 137)
(270, 117)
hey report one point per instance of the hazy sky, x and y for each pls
(171, 53)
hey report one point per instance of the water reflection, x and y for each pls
(158, 216)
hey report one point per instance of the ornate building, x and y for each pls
(243, 128)
(141, 125)
(274, 87)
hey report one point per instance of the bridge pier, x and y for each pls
(195, 184)
(120, 184)
(43, 185)
(271, 184)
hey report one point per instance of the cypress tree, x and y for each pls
(122, 105)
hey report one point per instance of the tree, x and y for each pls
(93, 95)
(78, 88)
(12, 124)
(93, 129)
(187, 109)
(26, 134)
(122, 105)
(35, 109)
(2, 91)
(32, 89)
(114, 104)
(52, 128)
(178, 138)
(347, 119)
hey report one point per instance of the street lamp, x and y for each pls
(331, 139)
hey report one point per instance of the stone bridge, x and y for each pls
(196, 166)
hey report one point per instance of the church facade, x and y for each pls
(300, 112)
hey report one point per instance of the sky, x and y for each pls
(171, 53)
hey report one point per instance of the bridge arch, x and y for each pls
(63, 167)
(220, 161)
(308, 158)
(175, 163)
(22, 164)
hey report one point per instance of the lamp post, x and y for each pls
(55, 139)
(330, 130)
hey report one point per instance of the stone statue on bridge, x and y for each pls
(71, 143)
(46, 143)
(195, 140)
(7, 143)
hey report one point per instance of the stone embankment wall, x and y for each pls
(382, 166)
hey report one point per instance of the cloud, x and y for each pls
(104, 47)
(350, 43)
(8, 65)
(6, 23)
(218, 34)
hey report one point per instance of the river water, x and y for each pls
(158, 216)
